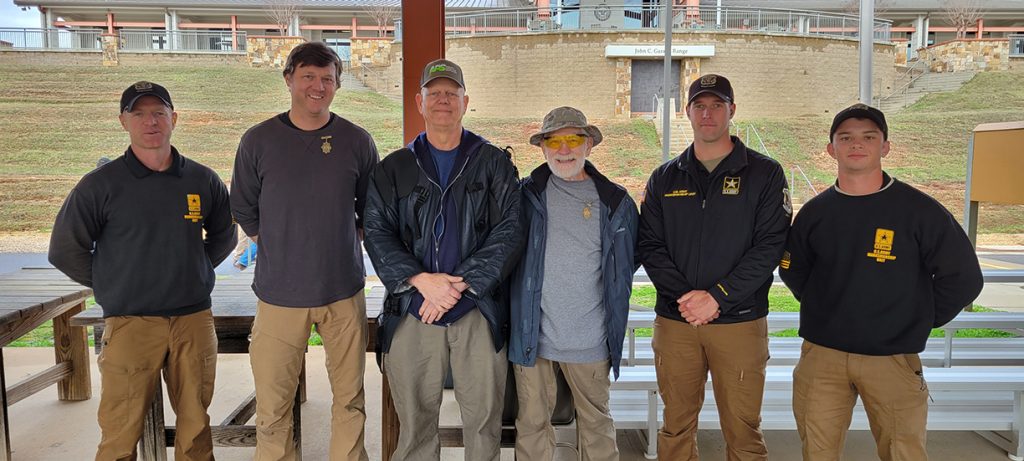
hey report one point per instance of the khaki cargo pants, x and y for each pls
(736, 355)
(135, 350)
(279, 338)
(826, 383)
(536, 390)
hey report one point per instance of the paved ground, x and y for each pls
(45, 429)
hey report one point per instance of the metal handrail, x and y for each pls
(637, 17)
(910, 82)
(50, 39)
(204, 41)
(750, 128)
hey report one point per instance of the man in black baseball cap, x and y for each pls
(150, 204)
(876, 264)
(141, 89)
(721, 207)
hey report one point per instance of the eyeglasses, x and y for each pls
(571, 140)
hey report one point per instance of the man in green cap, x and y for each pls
(442, 231)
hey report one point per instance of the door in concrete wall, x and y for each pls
(648, 76)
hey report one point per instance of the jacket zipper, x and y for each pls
(440, 209)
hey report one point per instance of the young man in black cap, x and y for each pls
(876, 264)
(299, 189)
(151, 204)
(442, 231)
(712, 227)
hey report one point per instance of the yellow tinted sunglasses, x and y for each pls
(571, 140)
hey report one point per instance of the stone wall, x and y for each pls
(371, 52)
(269, 50)
(125, 58)
(969, 55)
(527, 75)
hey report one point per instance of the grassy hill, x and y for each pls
(55, 124)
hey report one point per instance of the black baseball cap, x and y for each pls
(861, 111)
(144, 88)
(442, 68)
(711, 83)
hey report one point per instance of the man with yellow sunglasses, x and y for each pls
(570, 291)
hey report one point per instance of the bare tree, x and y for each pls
(382, 15)
(962, 14)
(282, 13)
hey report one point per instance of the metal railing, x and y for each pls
(751, 132)
(192, 41)
(637, 17)
(1016, 45)
(50, 39)
(920, 68)
(128, 39)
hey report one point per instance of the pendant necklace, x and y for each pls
(587, 204)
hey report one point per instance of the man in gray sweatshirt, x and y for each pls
(299, 189)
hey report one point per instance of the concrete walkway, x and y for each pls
(45, 429)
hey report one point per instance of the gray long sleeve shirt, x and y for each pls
(302, 193)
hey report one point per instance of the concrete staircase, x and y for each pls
(350, 82)
(681, 135)
(931, 82)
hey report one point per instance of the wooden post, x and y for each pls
(422, 42)
(388, 420)
(71, 344)
(5, 440)
(153, 445)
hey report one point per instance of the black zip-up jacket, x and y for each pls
(723, 232)
(399, 230)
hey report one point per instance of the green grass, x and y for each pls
(56, 125)
(780, 299)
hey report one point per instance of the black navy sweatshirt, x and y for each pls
(145, 241)
(875, 273)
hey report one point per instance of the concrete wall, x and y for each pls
(527, 75)
(970, 55)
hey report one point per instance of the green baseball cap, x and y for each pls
(442, 68)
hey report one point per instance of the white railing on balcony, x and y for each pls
(199, 41)
(637, 17)
(193, 41)
(50, 39)
(1016, 45)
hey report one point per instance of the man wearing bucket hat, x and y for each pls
(442, 231)
(868, 304)
(570, 291)
(712, 227)
(151, 204)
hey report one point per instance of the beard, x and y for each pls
(566, 171)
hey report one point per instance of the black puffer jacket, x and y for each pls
(403, 200)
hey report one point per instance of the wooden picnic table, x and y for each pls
(234, 309)
(28, 298)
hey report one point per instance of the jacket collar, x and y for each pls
(141, 171)
(734, 161)
(468, 145)
(609, 193)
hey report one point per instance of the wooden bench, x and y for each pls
(640, 317)
(234, 309)
(966, 352)
(28, 298)
(986, 400)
